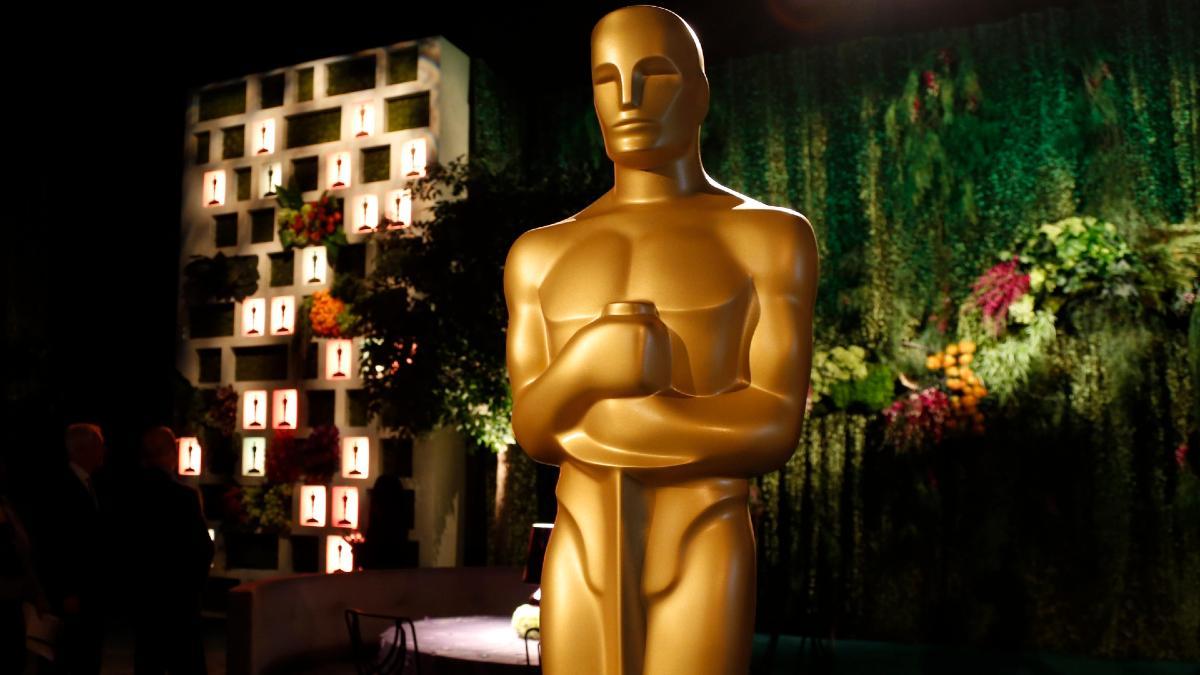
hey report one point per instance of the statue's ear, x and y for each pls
(702, 96)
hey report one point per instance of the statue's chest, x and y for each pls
(700, 290)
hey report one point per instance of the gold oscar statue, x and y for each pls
(659, 346)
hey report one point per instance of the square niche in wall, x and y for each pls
(270, 178)
(352, 261)
(283, 315)
(399, 206)
(408, 112)
(347, 75)
(412, 159)
(345, 506)
(233, 142)
(356, 457)
(270, 89)
(339, 557)
(305, 173)
(304, 84)
(365, 214)
(402, 65)
(210, 365)
(202, 147)
(283, 266)
(284, 408)
(222, 101)
(311, 128)
(321, 407)
(242, 176)
(337, 170)
(356, 408)
(261, 364)
(254, 317)
(226, 226)
(312, 505)
(214, 188)
(212, 320)
(339, 359)
(254, 456)
(262, 230)
(264, 136)
(310, 361)
(376, 163)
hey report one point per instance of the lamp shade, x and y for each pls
(539, 538)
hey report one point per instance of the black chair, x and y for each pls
(393, 660)
(528, 663)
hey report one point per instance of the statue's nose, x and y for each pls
(631, 90)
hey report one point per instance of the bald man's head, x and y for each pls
(159, 449)
(648, 85)
(85, 446)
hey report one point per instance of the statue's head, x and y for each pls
(648, 84)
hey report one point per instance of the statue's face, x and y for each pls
(649, 86)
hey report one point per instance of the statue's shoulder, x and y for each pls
(535, 250)
(777, 228)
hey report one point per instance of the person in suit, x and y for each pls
(173, 554)
(68, 543)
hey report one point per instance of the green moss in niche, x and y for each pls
(283, 268)
(210, 364)
(350, 75)
(271, 91)
(319, 126)
(229, 99)
(262, 226)
(356, 408)
(321, 406)
(202, 149)
(408, 112)
(377, 163)
(254, 364)
(227, 229)
(304, 84)
(402, 65)
(214, 320)
(243, 183)
(304, 173)
(233, 142)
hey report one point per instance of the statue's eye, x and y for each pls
(604, 74)
(656, 65)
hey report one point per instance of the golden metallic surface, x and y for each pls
(658, 347)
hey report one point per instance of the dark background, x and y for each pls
(91, 248)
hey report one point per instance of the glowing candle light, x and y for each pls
(356, 457)
(284, 412)
(254, 456)
(214, 188)
(412, 158)
(283, 315)
(338, 354)
(189, 456)
(254, 317)
(254, 409)
(339, 557)
(345, 506)
(312, 505)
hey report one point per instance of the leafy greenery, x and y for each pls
(207, 280)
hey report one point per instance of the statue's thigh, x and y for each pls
(704, 623)
(571, 614)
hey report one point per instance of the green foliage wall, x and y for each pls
(1072, 525)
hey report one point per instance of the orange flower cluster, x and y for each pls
(324, 315)
(966, 389)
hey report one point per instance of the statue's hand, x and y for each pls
(625, 353)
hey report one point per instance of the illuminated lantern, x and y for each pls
(284, 412)
(189, 456)
(412, 158)
(366, 213)
(254, 456)
(339, 557)
(338, 171)
(254, 409)
(283, 315)
(345, 506)
(315, 268)
(270, 178)
(312, 505)
(399, 204)
(214, 188)
(338, 355)
(254, 317)
(356, 456)
(264, 137)
(362, 122)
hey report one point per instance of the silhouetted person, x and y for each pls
(68, 541)
(20, 591)
(173, 553)
(386, 545)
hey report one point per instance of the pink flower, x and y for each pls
(997, 289)
(1181, 454)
